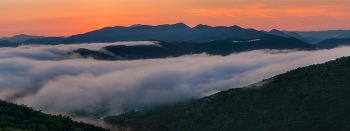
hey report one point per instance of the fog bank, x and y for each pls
(45, 78)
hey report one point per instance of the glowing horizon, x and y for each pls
(70, 17)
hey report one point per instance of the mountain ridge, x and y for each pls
(167, 32)
(175, 49)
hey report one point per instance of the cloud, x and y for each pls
(43, 78)
(254, 11)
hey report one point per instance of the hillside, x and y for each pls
(6, 43)
(334, 42)
(175, 49)
(278, 33)
(315, 97)
(46, 40)
(20, 117)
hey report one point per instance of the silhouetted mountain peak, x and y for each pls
(279, 33)
(274, 30)
(21, 35)
(180, 25)
(201, 26)
(166, 32)
(20, 38)
(138, 25)
(235, 26)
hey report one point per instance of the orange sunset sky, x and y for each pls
(69, 17)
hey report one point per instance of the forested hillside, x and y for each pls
(315, 97)
(19, 117)
(175, 49)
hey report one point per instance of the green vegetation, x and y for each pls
(22, 118)
(315, 97)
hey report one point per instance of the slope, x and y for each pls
(334, 42)
(6, 43)
(20, 117)
(46, 40)
(217, 47)
(309, 98)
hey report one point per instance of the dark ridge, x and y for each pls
(334, 42)
(20, 38)
(218, 47)
(20, 117)
(46, 40)
(6, 43)
(278, 33)
(168, 32)
(94, 54)
(201, 26)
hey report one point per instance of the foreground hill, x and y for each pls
(175, 49)
(174, 32)
(309, 98)
(15, 118)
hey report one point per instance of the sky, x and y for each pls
(70, 17)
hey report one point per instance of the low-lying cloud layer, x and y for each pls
(44, 78)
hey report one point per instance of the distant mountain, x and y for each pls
(334, 42)
(300, 37)
(174, 32)
(6, 43)
(21, 118)
(20, 38)
(315, 37)
(345, 35)
(136, 25)
(311, 98)
(278, 33)
(46, 40)
(175, 49)
(310, 40)
(294, 34)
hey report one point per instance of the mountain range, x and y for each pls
(174, 33)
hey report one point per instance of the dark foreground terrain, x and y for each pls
(22, 118)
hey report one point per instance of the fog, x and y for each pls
(47, 78)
